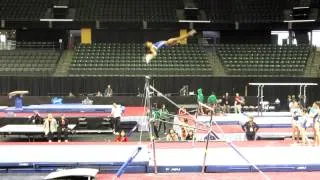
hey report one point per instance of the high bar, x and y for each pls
(283, 84)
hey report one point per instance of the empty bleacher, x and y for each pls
(219, 11)
(263, 59)
(244, 11)
(29, 58)
(126, 10)
(126, 59)
(23, 9)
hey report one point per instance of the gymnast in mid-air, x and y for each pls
(152, 48)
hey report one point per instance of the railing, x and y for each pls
(11, 45)
(36, 45)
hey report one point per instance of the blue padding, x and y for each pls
(129, 169)
(286, 125)
(100, 164)
(3, 171)
(310, 167)
(274, 125)
(48, 164)
(133, 163)
(228, 168)
(47, 170)
(227, 122)
(21, 164)
(66, 108)
(289, 167)
(21, 170)
(175, 169)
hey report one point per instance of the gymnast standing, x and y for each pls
(316, 124)
(152, 48)
(303, 125)
(296, 113)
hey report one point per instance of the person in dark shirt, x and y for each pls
(163, 116)
(35, 118)
(250, 128)
(63, 129)
(155, 115)
(190, 136)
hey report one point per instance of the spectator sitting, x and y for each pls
(63, 129)
(183, 114)
(50, 127)
(172, 136)
(190, 136)
(184, 129)
(87, 101)
(99, 94)
(122, 137)
(35, 118)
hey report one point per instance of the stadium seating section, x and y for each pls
(30, 58)
(244, 11)
(263, 59)
(126, 59)
(126, 10)
(219, 11)
(23, 10)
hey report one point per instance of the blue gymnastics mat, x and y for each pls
(48, 158)
(62, 108)
(225, 159)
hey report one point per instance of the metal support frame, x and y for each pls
(303, 95)
(207, 145)
(302, 90)
(149, 118)
(260, 99)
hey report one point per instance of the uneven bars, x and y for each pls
(229, 143)
(175, 104)
(234, 147)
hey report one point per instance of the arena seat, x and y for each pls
(126, 10)
(243, 11)
(29, 61)
(263, 59)
(126, 59)
(23, 10)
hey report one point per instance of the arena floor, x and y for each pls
(178, 176)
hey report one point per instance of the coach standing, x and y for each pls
(116, 116)
(250, 128)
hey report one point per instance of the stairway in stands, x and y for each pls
(214, 61)
(313, 65)
(64, 63)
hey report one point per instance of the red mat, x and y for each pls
(165, 145)
(130, 111)
(216, 176)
